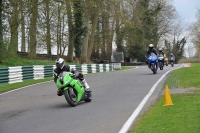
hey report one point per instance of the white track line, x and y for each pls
(131, 119)
(24, 87)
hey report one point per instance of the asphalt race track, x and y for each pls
(37, 109)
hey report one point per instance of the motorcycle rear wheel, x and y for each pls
(161, 66)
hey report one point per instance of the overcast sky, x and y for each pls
(187, 9)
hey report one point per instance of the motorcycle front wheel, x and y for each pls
(154, 69)
(70, 97)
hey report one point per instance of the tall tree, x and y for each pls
(104, 18)
(48, 35)
(110, 38)
(1, 33)
(177, 43)
(13, 46)
(70, 31)
(59, 31)
(195, 33)
(86, 34)
(119, 36)
(33, 29)
(177, 48)
(23, 37)
(94, 26)
(78, 28)
(97, 43)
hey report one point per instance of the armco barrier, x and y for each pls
(21, 73)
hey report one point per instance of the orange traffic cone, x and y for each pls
(168, 100)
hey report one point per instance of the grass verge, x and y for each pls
(183, 116)
(185, 77)
(8, 87)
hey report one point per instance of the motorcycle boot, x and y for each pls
(86, 86)
(59, 92)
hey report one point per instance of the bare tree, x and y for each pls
(33, 29)
(23, 40)
(70, 32)
(1, 33)
(195, 33)
(93, 28)
(14, 23)
(48, 35)
(86, 34)
(190, 50)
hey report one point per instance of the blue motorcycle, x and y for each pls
(153, 62)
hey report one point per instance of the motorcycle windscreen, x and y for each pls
(152, 57)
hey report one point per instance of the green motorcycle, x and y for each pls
(72, 89)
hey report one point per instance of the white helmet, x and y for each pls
(60, 63)
(160, 49)
(151, 45)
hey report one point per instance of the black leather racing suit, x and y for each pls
(66, 68)
(57, 71)
(151, 50)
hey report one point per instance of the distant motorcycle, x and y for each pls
(160, 61)
(153, 62)
(72, 89)
(172, 61)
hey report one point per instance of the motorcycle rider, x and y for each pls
(60, 67)
(172, 58)
(161, 52)
(149, 51)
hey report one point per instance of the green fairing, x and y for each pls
(73, 83)
(58, 83)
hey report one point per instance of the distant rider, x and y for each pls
(172, 58)
(161, 52)
(60, 67)
(149, 51)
